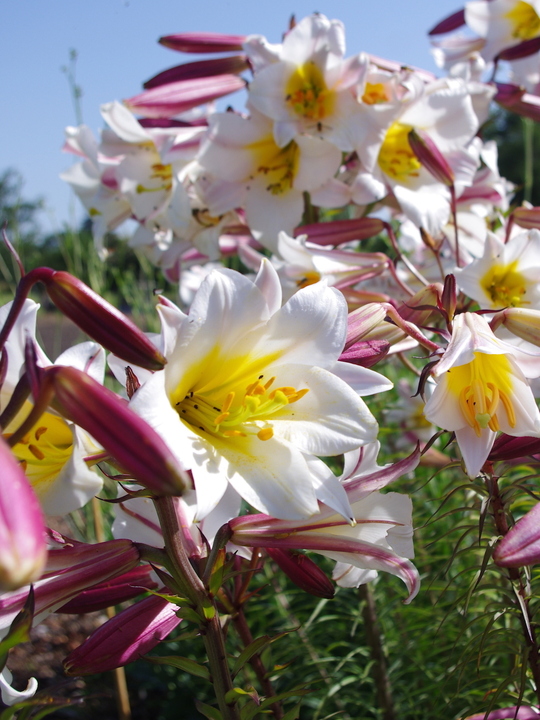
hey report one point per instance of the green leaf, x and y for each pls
(252, 649)
(181, 663)
(208, 711)
(293, 713)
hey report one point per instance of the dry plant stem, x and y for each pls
(120, 684)
(194, 590)
(373, 636)
(501, 523)
(242, 628)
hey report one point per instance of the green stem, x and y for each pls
(193, 588)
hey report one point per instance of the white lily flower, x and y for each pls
(482, 388)
(507, 275)
(503, 23)
(254, 172)
(252, 391)
(309, 87)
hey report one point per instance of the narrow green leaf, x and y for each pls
(208, 711)
(19, 630)
(247, 653)
(181, 663)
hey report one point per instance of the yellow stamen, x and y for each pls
(265, 434)
(396, 157)
(525, 21)
(505, 286)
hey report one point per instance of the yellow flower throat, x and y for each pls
(483, 386)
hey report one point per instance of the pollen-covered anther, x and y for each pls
(479, 403)
(265, 433)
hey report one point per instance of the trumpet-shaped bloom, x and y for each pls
(252, 391)
(507, 275)
(482, 388)
(309, 88)
(503, 23)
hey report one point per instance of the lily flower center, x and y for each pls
(396, 157)
(374, 93)
(505, 285)
(307, 94)
(45, 450)
(278, 165)
(524, 20)
(159, 172)
(483, 386)
(237, 414)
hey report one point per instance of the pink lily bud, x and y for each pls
(22, 530)
(203, 42)
(521, 50)
(431, 157)
(111, 592)
(419, 308)
(521, 546)
(341, 231)
(452, 22)
(303, 572)
(362, 321)
(523, 322)
(127, 437)
(514, 98)
(69, 570)
(124, 638)
(366, 352)
(527, 218)
(233, 64)
(177, 97)
(94, 315)
(507, 447)
(449, 296)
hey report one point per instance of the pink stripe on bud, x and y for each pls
(431, 157)
(177, 97)
(127, 437)
(22, 530)
(124, 638)
(341, 231)
(366, 352)
(203, 42)
(521, 546)
(303, 572)
(234, 64)
(112, 592)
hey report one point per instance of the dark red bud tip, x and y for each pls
(523, 49)
(431, 157)
(99, 319)
(341, 231)
(203, 68)
(135, 445)
(366, 352)
(303, 572)
(449, 296)
(506, 447)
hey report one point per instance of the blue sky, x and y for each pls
(117, 51)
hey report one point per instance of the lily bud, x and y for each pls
(431, 157)
(234, 65)
(521, 50)
(507, 447)
(70, 569)
(523, 322)
(124, 638)
(94, 315)
(127, 437)
(22, 530)
(111, 592)
(521, 546)
(341, 231)
(514, 98)
(366, 352)
(203, 42)
(419, 308)
(361, 321)
(449, 296)
(452, 22)
(177, 97)
(527, 217)
(303, 572)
